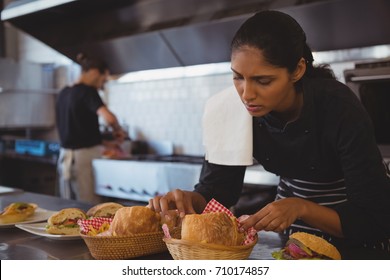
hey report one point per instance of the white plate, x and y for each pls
(40, 229)
(39, 216)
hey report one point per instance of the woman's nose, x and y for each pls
(248, 93)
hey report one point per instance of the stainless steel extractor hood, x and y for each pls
(137, 35)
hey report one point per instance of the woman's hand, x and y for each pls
(276, 216)
(186, 202)
(280, 214)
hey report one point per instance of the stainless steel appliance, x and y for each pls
(144, 176)
(150, 34)
(370, 81)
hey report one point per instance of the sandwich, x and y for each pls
(305, 246)
(64, 222)
(17, 212)
(105, 210)
(134, 220)
(215, 227)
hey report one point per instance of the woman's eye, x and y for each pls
(237, 78)
(264, 82)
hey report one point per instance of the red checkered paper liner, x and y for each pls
(215, 206)
(96, 223)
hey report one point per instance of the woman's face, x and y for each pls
(262, 87)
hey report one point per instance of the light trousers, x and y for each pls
(76, 178)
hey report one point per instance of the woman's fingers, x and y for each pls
(159, 203)
(189, 206)
(185, 202)
(154, 204)
(178, 196)
(176, 199)
(269, 218)
(276, 225)
(256, 221)
(276, 216)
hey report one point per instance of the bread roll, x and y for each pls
(217, 228)
(17, 212)
(134, 220)
(106, 210)
(64, 222)
(174, 220)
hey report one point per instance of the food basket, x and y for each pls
(127, 247)
(189, 250)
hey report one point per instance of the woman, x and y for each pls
(310, 130)
(77, 110)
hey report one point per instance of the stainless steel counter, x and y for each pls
(16, 244)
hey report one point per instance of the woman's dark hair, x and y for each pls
(87, 63)
(282, 41)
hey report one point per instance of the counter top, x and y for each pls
(17, 244)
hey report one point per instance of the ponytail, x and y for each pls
(320, 71)
(87, 63)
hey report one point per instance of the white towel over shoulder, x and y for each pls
(227, 130)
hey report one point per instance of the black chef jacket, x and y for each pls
(332, 139)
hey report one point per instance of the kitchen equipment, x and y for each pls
(160, 147)
(31, 147)
(143, 176)
(370, 81)
(37, 147)
(141, 180)
(152, 34)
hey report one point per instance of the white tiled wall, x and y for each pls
(166, 109)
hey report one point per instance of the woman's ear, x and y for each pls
(299, 71)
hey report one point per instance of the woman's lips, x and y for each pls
(253, 108)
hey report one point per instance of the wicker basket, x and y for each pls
(188, 250)
(117, 248)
